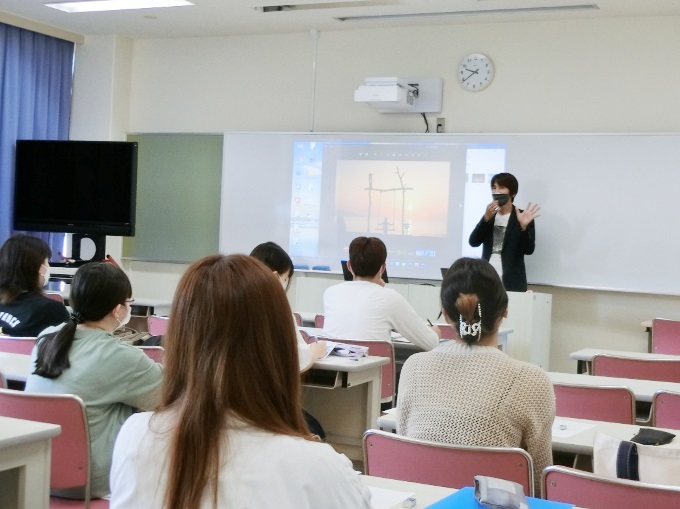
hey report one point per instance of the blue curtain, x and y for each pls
(36, 78)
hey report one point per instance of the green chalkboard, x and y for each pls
(179, 180)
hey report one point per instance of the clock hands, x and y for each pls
(476, 71)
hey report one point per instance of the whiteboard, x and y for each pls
(608, 201)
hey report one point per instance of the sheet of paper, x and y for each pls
(565, 429)
(385, 499)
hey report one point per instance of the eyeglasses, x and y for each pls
(129, 301)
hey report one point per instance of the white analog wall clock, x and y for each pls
(475, 72)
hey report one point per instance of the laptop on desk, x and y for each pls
(348, 275)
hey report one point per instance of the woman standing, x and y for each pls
(507, 233)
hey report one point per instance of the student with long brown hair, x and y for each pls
(229, 431)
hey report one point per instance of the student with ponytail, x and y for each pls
(84, 358)
(468, 392)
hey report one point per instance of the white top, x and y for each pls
(260, 470)
(304, 350)
(365, 310)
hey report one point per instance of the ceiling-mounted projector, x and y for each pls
(401, 95)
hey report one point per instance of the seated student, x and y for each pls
(365, 309)
(229, 431)
(24, 270)
(466, 391)
(274, 257)
(84, 358)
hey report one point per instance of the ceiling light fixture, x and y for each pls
(115, 5)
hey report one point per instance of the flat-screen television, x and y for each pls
(87, 187)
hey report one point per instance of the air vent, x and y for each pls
(480, 12)
(322, 5)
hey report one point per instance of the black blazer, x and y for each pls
(516, 244)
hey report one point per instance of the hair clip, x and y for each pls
(77, 317)
(471, 329)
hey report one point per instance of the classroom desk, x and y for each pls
(647, 324)
(579, 434)
(25, 450)
(642, 389)
(424, 494)
(585, 356)
(15, 366)
(344, 395)
(577, 438)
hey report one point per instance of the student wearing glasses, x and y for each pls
(84, 358)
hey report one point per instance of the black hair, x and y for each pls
(97, 288)
(367, 255)
(508, 181)
(20, 259)
(471, 284)
(274, 257)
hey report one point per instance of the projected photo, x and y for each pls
(405, 198)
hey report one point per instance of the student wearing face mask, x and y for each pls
(24, 270)
(84, 358)
(507, 233)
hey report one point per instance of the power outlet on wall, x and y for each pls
(441, 125)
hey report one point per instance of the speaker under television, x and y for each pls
(88, 188)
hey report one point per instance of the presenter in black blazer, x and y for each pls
(507, 233)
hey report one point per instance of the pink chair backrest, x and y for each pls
(306, 337)
(55, 296)
(584, 489)
(155, 353)
(157, 325)
(666, 410)
(71, 449)
(448, 332)
(22, 345)
(452, 466)
(609, 404)
(640, 369)
(666, 336)
(298, 319)
(380, 348)
(318, 321)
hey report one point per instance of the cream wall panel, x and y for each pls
(217, 84)
(619, 75)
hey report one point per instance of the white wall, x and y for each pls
(619, 75)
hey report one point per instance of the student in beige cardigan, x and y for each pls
(466, 391)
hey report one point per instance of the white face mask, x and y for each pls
(125, 320)
(46, 275)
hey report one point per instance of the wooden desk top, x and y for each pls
(581, 434)
(643, 389)
(335, 363)
(577, 437)
(587, 354)
(18, 431)
(424, 494)
(15, 366)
